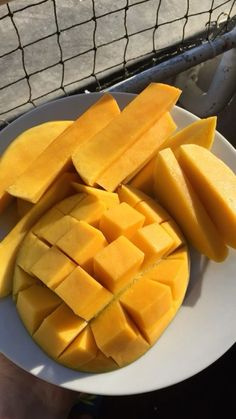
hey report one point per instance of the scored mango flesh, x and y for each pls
(95, 284)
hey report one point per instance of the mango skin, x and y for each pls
(105, 329)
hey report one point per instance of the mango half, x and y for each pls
(99, 277)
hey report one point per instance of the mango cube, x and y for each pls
(52, 267)
(146, 301)
(67, 205)
(82, 350)
(50, 218)
(153, 241)
(172, 273)
(101, 363)
(117, 336)
(31, 252)
(130, 195)
(81, 243)
(58, 330)
(89, 209)
(117, 263)
(121, 220)
(173, 230)
(22, 280)
(34, 304)
(53, 231)
(83, 294)
(152, 211)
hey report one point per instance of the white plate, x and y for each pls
(203, 330)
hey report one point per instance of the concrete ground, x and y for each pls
(61, 52)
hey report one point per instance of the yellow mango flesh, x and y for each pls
(175, 192)
(144, 180)
(40, 174)
(108, 145)
(112, 309)
(136, 156)
(11, 242)
(58, 330)
(25, 148)
(215, 184)
(109, 199)
(201, 132)
(122, 220)
(83, 294)
(22, 280)
(117, 263)
(52, 267)
(34, 304)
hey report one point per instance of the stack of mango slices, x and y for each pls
(98, 275)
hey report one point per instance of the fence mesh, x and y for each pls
(52, 48)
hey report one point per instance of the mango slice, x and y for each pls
(175, 192)
(111, 290)
(20, 153)
(108, 145)
(137, 155)
(109, 199)
(40, 174)
(215, 184)
(10, 244)
(144, 180)
(201, 132)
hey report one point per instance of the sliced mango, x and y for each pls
(40, 174)
(117, 263)
(34, 304)
(10, 244)
(81, 351)
(154, 242)
(58, 330)
(144, 179)
(81, 243)
(117, 336)
(112, 304)
(20, 153)
(201, 132)
(89, 210)
(137, 155)
(215, 184)
(22, 280)
(121, 220)
(108, 198)
(146, 302)
(174, 191)
(52, 267)
(83, 294)
(108, 145)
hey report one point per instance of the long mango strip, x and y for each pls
(138, 154)
(56, 158)
(93, 157)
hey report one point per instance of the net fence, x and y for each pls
(53, 48)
